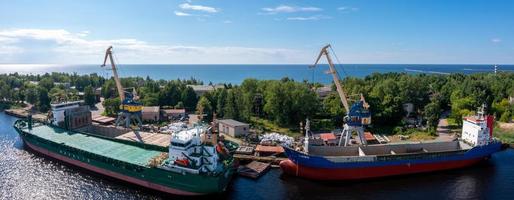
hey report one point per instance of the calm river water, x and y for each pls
(24, 175)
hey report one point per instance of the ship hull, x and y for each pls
(108, 173)
(320, 168)
(148, 177)
(291, 168)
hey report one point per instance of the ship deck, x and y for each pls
(97, 145)
(158, 139)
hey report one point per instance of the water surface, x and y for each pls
(24, 175)
(235, 74)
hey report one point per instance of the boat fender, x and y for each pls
(220, 148)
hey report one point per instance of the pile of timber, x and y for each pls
(246, 150)
(268, 159)
(157, 160)
(255, 169)
(382, 139)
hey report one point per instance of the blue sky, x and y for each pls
(257, 31)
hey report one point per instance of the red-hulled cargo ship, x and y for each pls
(323, 162)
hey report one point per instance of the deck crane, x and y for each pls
(357, 115)
(130, 109)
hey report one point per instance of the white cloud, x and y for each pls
(290, 9)
(496, 40)
(346, 9)
(227, 22)
(182, 14)
(310, 18)
(62, 46)
(187, 6)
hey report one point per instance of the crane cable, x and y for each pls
(338, 62)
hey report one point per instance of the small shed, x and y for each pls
(151, 113)
(202, 89)
(328, 138)
(171, 114)
(233, 128)
(323, 91)
(262, 150)
(370, 139)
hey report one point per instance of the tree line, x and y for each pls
(285, 102)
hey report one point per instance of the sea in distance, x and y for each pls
(235, 74)
(25, 175)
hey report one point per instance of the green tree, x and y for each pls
(151, 99)
(170, 94)
(89, 96)
(334, 108)
(179, 105)
(31, 95)
(230, 109)
(462, 107)
(506, 116)
(47, 83)
(432, 112)
(189, 98)
(109, 89)
(204, 107)
(221, 100)
(5, 93)
(385, 103)
(43, 103)
(112, 106)
(499, 108)
(58, 95)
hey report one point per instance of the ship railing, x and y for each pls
(205, 161)
(416, 156)
(205, 151)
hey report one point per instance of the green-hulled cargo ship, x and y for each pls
(194, 164)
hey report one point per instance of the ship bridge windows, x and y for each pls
(180, 144)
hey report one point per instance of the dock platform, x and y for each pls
(254, 170)
(268, 159)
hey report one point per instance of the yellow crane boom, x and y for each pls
(119, 87)
(335, 76)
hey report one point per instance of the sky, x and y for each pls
(257, 31)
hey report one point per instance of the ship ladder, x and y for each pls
(205, 151)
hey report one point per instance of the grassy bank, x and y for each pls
(11, 105)
(506, 135)
(269, 126)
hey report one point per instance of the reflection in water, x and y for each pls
(24, 175)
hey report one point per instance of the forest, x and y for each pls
(285, 102)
